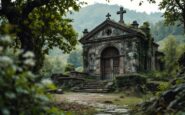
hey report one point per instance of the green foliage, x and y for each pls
(79, 69)
(22, 93)
(40, 25)
(89, 18)
(146, 28)
(75, 58)
(169, 102)
(160, 31)
(158, 75)
(52, 65)
(164, 86)
(172, 53)
(130, 80)
(69, 67)
(52, 29)
(174, 11)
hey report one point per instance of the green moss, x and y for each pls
(130, 80)
(130, 101)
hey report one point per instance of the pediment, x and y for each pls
(108, 28)
(108, 31)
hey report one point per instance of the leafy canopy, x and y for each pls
(40, 25)
(174, 10)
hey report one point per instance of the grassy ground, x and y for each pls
(119, 99)
(73, 103)
(130, 101)
(75, 108)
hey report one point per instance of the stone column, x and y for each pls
(153, 63)
(121, 66)
(98, 67)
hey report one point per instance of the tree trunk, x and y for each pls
(26, 39)
(30, 43)
(27, 43)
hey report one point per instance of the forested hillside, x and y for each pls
(160, 31)
(92, 15)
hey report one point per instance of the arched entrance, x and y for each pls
(109, 63)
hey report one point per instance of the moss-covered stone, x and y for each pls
(130, 80)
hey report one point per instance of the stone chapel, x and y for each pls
(115, 49)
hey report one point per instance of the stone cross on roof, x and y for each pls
(108, 16)
(121, 12)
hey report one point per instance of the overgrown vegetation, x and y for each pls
(40, 25)
(172, 51)
(22, 92)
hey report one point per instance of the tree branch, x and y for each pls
(30, 5)
(179, 4)
(5, 5)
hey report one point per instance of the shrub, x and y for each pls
(22, 93)
(158, 76)
(130, 80)
(69, 67)
(164, 86)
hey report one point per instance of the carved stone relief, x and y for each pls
(108, 31)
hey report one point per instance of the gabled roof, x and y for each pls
(113, 24)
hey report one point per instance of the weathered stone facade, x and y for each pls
(114, 49)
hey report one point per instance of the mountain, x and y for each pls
(90, 16)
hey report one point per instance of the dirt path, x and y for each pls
(101, 102)
(86, 97)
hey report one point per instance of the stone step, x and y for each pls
(86, 85)
(93, 90)
(94, 84)
(93, 87)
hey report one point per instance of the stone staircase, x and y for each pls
(93, 86)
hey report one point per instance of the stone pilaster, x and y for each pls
(121, 65)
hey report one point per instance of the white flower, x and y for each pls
(30, 74)
(46, 81)
(29, 62)
(19, 51)
(28, 54)
(5, 60)
(1, 49)
(6, 39)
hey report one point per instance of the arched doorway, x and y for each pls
(109, 63)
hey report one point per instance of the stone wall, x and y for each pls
(129, 55)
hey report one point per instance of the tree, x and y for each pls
(171, 56)
(40, 25)
(160, 30)
(75, 58)
(174, 10)
(52, 65)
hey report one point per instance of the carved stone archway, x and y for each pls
(110, 60)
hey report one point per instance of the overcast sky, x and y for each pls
(134, 5)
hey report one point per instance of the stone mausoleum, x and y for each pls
(115, 49)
